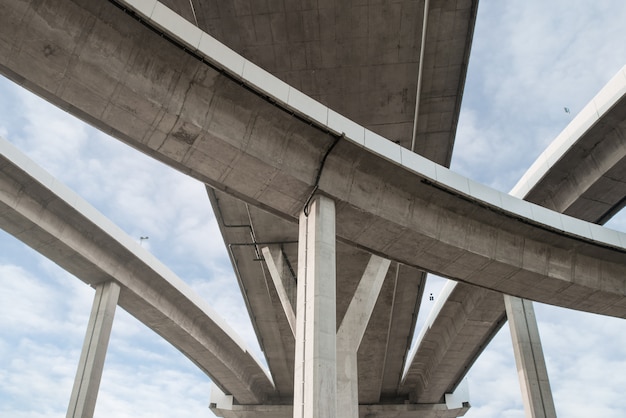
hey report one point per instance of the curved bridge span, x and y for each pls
(178, 95)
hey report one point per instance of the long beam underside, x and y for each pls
(582, 174)
(57, 223)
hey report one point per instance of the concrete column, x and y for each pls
(315, 370)
(351, 333)
(274, 261)
(531, 365)
(87, 382)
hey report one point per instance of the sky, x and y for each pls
(529, 61)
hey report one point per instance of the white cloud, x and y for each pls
(529, 61)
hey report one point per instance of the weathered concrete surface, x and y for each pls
(365, 411)
(54, 221)
(344, 56)
(238, 225)
(582, 172)
(351, 331)
(449, 346)
(283, 282)
(358, 58)
(203, 123)
(388, 336)
(280, 178)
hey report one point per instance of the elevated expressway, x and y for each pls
(50, 218)
(265, 144)
(582, 174)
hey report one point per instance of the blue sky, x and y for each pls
(529, 61)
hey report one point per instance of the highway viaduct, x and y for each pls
(252, 136)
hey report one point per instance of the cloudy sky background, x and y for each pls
(529, 60)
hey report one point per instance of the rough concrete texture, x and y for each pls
(365, 411)
(351, 331)
(359, 58)
(203, 123)
(53, 220)
(166, 103)
(582, 174)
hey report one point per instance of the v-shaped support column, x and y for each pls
(315, 380)
(351, 333)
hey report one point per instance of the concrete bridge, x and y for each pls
(275, 160)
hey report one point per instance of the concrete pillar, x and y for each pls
(87, 382)
(351, 333)
(274, 261)
(315, 369)
(531, 365)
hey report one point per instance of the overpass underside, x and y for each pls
(152, 77)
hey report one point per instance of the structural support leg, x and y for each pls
(531, 365)
(87, 382)
(315, 381)
(351, 333)
(284, 286)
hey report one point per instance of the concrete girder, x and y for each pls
(204, 123)
(350, 334)
(456, 332)
(238, 225)
(594, 140)
(54, 221)
(583, 171)
(365, 411)
(360, 59)
(15, 75)
(275, 264)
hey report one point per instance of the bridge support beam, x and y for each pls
(87, 382)
(351, 333)
(531, 365)
(285, 286)
(315, 370)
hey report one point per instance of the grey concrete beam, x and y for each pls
(270, 158)
(238, 224)
(365, 411)
(89, 373)
(584, 164)
(274, 262)
(458, 328)
(176, 151)
(360, 59)
(408, 292)
(388, 336)
(583, 171)
(53, 220)
(350, 335)
(357, 316)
